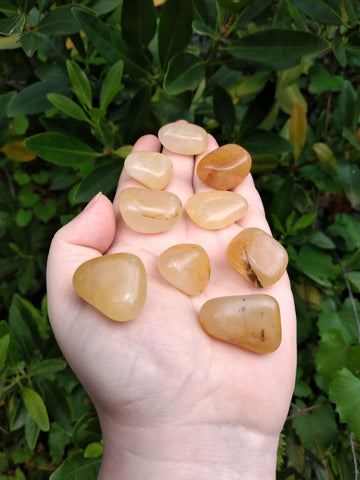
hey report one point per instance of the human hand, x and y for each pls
(167, 394)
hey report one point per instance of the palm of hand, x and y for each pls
(162, 366)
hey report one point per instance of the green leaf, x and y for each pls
(93, 450)
(80, 84)
(350, 179)
(138, 113)
(321, 11)
(36, 407)
(23, 217)
(315, 264)
(103, 179)
(266, 143)
(185, 72)
(4, 345)
(76, 467)
(322, 177)
(320, 240)
(32, 432)
(345, 393)
(272, 45)
(322, 80)
(347, 227)
(47, 368)
(21, 329)
(224, 110)
(67, 106)
(12, 25)
(138, 22)
(175, 29)
(59, 21)
(354, 279)
(344, 112)
(234, 5)
(60, 149)
(56, 402)
(58, 440)
(86, 430)
(112, 84)
(46, 210)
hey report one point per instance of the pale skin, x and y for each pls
(173, 402)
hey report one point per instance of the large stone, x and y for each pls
(149, 211)
(216, 209)
(250, 321)
(152, 169)
(258, 257)
(184, 138)
(186, 266)
(225, 167)
(113, 284)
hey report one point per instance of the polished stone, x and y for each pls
(258, 257)
(225, 167)
(149, 211)
(113, 284)
(250, 321)
(183, 138)
(152, 169)
(216, 209)
(186, 266)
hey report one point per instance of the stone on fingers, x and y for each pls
(152, 169)
(183, 138)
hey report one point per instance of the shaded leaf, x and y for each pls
(86, 430)
(298, 128)
(138, 113)
(184, 72)
(138, 22)
(47, 368)
(12, 25)
(4, 345)
(224, 109)
(266, 143)
(32, 432)
(112, 84)
(323, 12)
(350, 179)
(345, 393)
(59, 21)
(76, 467)
(103, 179)
(234, 5)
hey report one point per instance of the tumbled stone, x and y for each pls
(225, 167)
(186, 266)
(184, 138)
(113, 284)
(250, 321)
(216, 209)
(152, 169)
(149, 211)
(257, 256)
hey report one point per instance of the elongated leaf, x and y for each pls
(67, 106)
(298, 128)
(80, 84)
(86, 430)
(112, 84)
(36, 407)
(138, 113)
(224, 110)
(4, 345)
(21, 331)
(60, 149)
(266, 143)
(59, 21)
(56, 403)
(47, 368)
(272, 45)
(234, 5)
(103, 179)
(350, 179)
(175, 29)
(345, 393)
(322, 11)
(12, 25)
(185, 72)
(138, 22)
(76, 467)
(32, 432)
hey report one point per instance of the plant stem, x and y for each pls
(351, 298)
(356, 471)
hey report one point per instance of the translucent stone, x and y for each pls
(186, 266)
(113, 284)
(258, 257)
(152, 169)
(249, 321)
(149, 211)
(216, 209)
(184, 138)
(224, 168)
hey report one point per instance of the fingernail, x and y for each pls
(93, 200)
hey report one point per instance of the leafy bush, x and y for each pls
(80, 81)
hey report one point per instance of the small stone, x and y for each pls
(152, 169)
(258, 257)
(149, 211)
(216, 209)
(113, 284)
(186, 266)
(184, 138)
(224, 168)
(250, 321)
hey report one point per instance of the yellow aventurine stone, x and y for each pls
(184, 138)
(152, 169)
(216, 209)
(186, 266)
(113, 284)
(149, 211)
(249, 321)
(257, 256)
(224, 168)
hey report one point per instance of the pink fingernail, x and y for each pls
(93, 200)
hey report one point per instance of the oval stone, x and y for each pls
(113, 284)
(225, 167)
(149, 211)
(184, 138)
(257, 256)
(152, 169)
(250, 321)
(186, 266)
(216, 209)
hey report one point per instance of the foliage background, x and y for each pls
(79, 82)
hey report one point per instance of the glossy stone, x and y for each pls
(216, 209)
(184, 138)
(257, 256)
(186, 266)
(224, 168)
(152, 169)
(113, 284)
(149, 211)
(249, 321)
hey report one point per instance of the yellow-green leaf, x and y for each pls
(36, 407)
(15, 150)
(298, 128)
(325, 155)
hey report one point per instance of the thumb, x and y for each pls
(87, 236)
